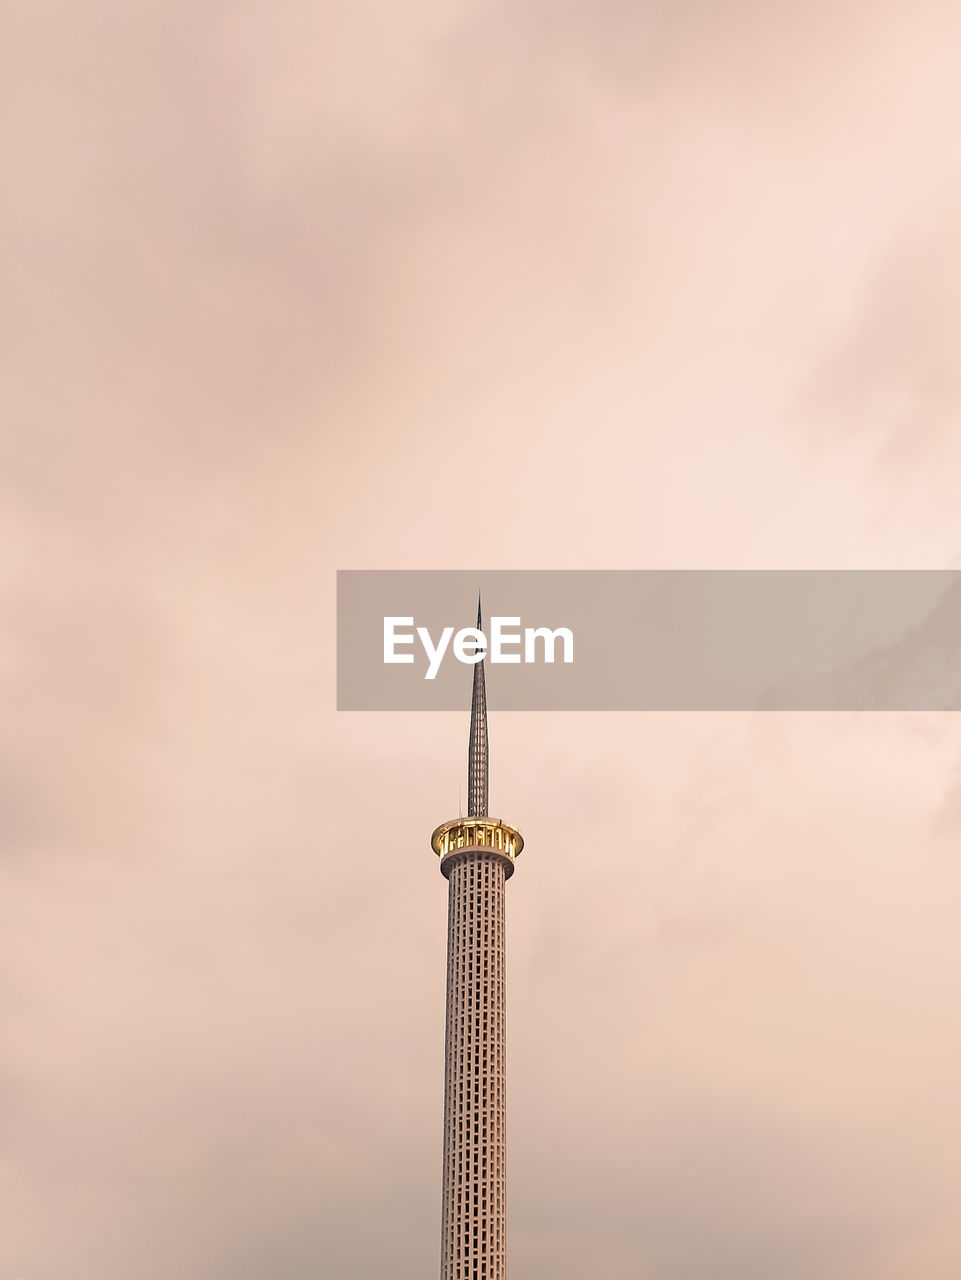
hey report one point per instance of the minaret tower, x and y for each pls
(477, 856)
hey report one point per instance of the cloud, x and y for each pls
(294, 287)
(892, 379)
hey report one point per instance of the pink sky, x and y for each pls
(292, 287)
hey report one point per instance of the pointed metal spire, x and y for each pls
(477, 753)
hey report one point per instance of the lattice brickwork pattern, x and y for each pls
(474, 1208)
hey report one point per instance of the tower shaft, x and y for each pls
(473, 1237)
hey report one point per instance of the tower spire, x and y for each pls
(477, 752)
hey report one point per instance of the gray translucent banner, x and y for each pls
(658, 640)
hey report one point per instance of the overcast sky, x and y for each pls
(291, 286)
